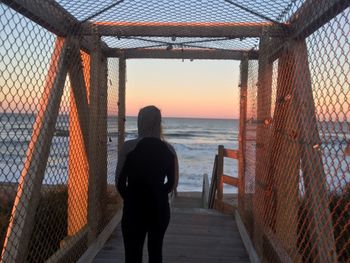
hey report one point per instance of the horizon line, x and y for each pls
(187, 117)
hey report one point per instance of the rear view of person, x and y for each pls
(146, 173)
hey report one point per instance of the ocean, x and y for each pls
(195, 141)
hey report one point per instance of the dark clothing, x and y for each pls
(146, 207)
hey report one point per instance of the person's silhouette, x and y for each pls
(146, 173)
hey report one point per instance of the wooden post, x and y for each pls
(121, 102)
(103, 137)
(284, 161)
(97, 139)
(28, 193)
(317, 199)
(242, 131)
(78, 170)
(262, 214)
(220, 172)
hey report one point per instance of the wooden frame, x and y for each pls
(242, 130)
(78, 170)
(308, 18)
(121, 102)
(182, 54)
(97, 139)
(284, 159)
(28, 194)
(311, 158)
(220, 172)
(264, 92)
(183, 29)
(102, 238)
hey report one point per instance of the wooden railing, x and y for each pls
(218, 179)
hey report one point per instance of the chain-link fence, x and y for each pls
(58, 111)
(45, 188)
(298, 123)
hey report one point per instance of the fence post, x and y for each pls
(284, 158)
(220, 171)
(29, 188)
(97, 139)
(262, 214)
(242, 132)
(317, 199)
(102, 175)
(78, 170)
(121, 102)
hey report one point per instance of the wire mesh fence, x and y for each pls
(58, 107)
(44, 171)
(301, 194)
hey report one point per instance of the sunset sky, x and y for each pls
(199, 88)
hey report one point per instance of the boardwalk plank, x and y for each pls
(194, 235)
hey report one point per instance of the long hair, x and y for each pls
(149, 122)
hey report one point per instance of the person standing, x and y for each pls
(147, 171)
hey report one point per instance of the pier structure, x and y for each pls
(63, 81)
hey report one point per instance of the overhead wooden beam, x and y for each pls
(157, 53)
(315, 13)
(181, 29)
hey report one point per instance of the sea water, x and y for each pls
(195, 141)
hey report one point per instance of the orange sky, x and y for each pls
(206, 89)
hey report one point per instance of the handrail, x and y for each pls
(218, 178)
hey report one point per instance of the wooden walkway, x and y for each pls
(194, 235)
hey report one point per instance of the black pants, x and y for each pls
(136, 224)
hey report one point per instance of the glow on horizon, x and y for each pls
(198, 89)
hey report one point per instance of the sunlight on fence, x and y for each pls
(62, 86)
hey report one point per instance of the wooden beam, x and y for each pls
(78, 166)
(96, 120)
(274, 243)
(262, 201)
(315, 178)
(183, 29)
(227, 179)
(284, 158)
(213, 185)
(98, 244)
(182, 54)
(306, 21)
(315, 13)
(220, 171)
(246, 239)
(28, 194)
(121, 102)
(242, 132)
(68, 245)
(232, 154)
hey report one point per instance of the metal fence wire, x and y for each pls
(298, 120)
(59, 77)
